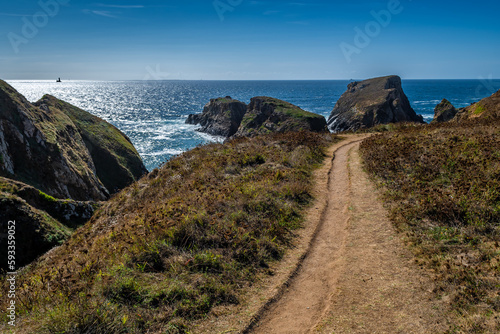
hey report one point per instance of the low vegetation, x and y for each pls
(186, 238)
(442, 184)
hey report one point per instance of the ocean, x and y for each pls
(152, 113)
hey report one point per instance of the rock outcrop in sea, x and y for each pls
(220, 117)
(444, 112)
(372, 102)
(227, 117)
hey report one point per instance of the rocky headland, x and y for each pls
(372, 102)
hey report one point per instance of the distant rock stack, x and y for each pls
(444, 112)
(372, 102)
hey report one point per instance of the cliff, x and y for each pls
(372, 102)
(115, 158)
(56, 161)
(62, 150)
(220, 117)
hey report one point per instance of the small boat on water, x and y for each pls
(58, 80)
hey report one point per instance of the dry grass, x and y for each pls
(187, 237)
(443, 187)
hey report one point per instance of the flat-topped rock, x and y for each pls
(372, 102)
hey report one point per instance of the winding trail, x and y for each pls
(357, 275)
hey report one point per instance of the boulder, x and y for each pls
(372, 102)
(444, 112)
(220, 117)
(269, 115)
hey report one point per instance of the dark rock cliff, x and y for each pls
(220, 117)
(371, 102)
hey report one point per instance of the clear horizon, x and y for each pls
(249, 40)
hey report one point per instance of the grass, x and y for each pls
(189, 237)
(442, 185)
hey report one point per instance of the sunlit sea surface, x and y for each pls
(152, 113)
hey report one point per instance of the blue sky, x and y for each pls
(243, 39)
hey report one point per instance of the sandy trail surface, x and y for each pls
(358, 276)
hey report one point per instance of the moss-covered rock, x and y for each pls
(269, 115)
(35, 231)
(43, 148)
(42, 221)
(115, 158)
(62, 150)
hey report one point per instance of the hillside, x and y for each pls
(187, 238)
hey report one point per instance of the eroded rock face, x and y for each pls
(220, 117)
(269, 115)
(372, 102)
(42, 145)
(44, 148)
(444, 112)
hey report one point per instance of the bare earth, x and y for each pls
(357, 276)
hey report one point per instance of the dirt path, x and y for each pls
(357, 276)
